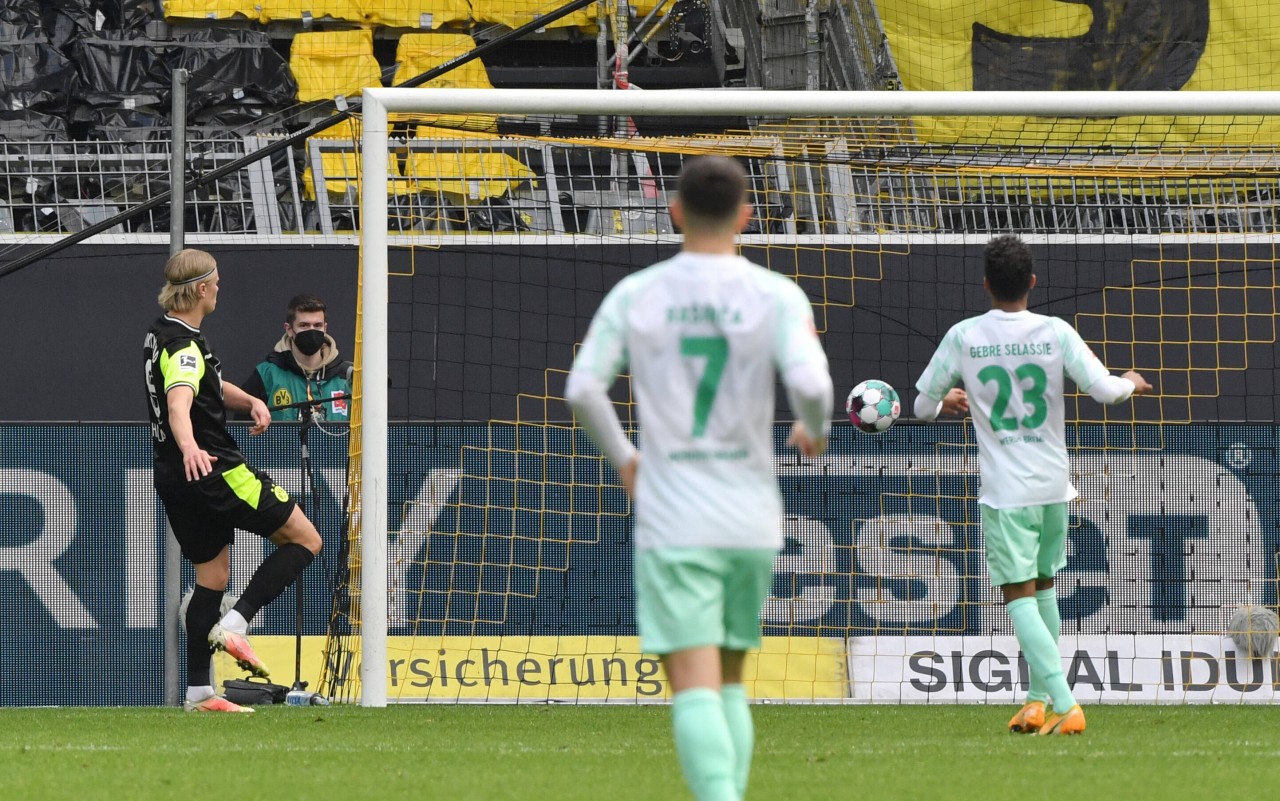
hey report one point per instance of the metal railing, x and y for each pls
(62, 186)
(825, 186)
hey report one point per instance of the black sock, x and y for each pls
(271, 578)
(202, 613)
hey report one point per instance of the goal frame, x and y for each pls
(379, 102)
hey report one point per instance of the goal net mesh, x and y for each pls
(509, 560)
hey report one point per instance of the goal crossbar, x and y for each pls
(755, 102)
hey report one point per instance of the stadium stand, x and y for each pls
(34, 75)
(213, 9)
(236, 76)
(415, 14)
(462, 175)
(86, 95)
(454, 177)
(124, 84)
(339, 169)
(514, 13)
(416, 53)
(308, 11)
(331, 64)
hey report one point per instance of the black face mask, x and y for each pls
(309, 342)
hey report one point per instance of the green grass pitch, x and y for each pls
(592, 752)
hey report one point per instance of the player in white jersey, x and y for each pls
(1011, 363)
(705, 335)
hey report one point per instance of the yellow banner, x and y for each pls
(1118, 45)
(595, 668)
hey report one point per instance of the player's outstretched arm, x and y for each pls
(602, 356)
(1089, 373)
(810, 392)
(239, 400)
(1112, 389)
(627, 473)
(196, 461)
(1140, 385)
(937, 390)
(954, 404)
(926, 407)
(810, 447)
(588, 396)
(804, 370)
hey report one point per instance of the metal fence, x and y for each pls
(828, 185)
(63, 186)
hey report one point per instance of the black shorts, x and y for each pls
(204, 514)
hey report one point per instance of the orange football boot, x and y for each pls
(215, 703)
(1071, 722)
(1029, 719)
(238, 648)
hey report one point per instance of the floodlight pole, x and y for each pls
(177, 240)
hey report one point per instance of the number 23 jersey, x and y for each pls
(1012, 366)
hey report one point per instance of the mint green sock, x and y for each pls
(737, 713)
(704, 744)
(1047, 603)
(1041, 650)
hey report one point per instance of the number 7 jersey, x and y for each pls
(1012, 366)
(705, 337)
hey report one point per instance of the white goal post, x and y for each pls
(377, 103)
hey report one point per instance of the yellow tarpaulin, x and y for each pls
(211, 9)
(468, 174)
(333, 63)
(417, 53)
(414, 13)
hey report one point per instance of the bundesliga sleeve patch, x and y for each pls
(187, 363)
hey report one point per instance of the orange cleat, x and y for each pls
(1029, 719)
(1072, 722)
(215, 703)
(238, 648)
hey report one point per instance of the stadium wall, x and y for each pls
(881, 537)
(499, 318)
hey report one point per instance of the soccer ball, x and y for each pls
(873, 406)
